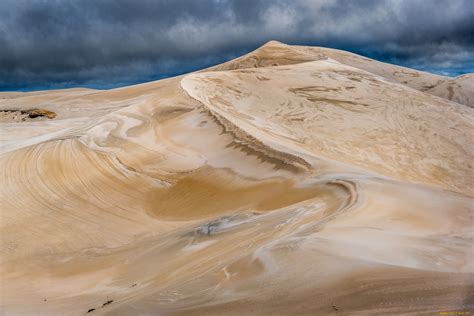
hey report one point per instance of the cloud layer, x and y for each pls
(107, 43)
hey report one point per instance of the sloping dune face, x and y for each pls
(285, 182)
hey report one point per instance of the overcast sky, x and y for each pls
(109, 43)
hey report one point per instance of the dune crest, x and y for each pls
(291, 180)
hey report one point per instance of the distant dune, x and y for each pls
(459, 89)
(289, 181)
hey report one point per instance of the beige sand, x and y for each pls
(459, 89)
(290, 181)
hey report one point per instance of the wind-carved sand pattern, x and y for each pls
(290, 181)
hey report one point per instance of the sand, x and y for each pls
(459, 89)
(290, 181)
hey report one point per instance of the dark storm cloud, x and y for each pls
(53, 43)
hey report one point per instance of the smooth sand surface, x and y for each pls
(290, 181)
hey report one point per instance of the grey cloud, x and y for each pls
(52, 43)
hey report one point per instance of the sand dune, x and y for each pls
(459, 89)
(275, 53)
(290, 181)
